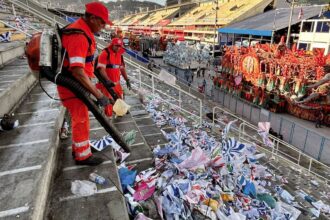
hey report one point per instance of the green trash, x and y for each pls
(129, 137)
(268, 199)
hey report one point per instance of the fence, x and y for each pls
(247, 132)
(136, 56)
(309, 142)
(171, 94)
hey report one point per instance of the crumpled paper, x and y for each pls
(197, 176)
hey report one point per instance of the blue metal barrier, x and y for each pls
(136, 56)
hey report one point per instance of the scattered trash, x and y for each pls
(143, 191)
(97, 179)
(129, 137)
(167, 77)
(83, 188)
(127, 177)
(314, 183)
(8, 122)
(64, 133)
(263, 131)
(120, 107)
(197, 176)
(141, 216)
(103, 143)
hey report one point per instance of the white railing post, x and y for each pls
(240, 131)
(310, 164)
(140, 77)
(200, 111)
(273, 150)
(153, 84)
(180, 99)
(299, 157)
(277, 147)
(243, 129)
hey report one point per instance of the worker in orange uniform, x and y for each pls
(111, 66)
(79, 44)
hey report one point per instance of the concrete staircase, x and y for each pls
(108, 203)
(27, 153)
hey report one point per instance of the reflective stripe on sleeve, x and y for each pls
(77, 60)
(101, 65)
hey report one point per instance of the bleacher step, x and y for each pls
(27, 159)
(15, 82)
(110, 204)
(10, 51)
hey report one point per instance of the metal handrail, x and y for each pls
(17, 29)
(181, 91)
(277, 143)
(39, 11)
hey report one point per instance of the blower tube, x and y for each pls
(46, 69)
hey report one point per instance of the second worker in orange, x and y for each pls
(111, 65)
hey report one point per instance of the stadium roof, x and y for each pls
(263, 24)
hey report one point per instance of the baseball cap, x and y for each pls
(99, 10)
(117, 42)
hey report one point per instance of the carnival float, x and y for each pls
(185, 56)
(279, 79)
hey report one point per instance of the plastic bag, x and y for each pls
(127, 177)
(83, 188)
(129, 137)
(167, 77)
(120, 107)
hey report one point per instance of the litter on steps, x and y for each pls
(198, 176)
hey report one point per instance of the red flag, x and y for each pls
(301, 14)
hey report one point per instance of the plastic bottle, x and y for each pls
(97, 179)
(66, 126)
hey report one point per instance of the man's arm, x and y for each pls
(123, 73)
(78, 74)
(104, 74)
(123, 70)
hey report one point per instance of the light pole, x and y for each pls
(215, 24)
(290, 20)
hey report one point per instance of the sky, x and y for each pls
(162, 2)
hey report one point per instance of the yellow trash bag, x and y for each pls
(120, 107)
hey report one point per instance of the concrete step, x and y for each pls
(109, 203)
(10, 51)
(27, 157)
(15, 81)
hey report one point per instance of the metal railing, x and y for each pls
(16, 28)
(249, 133)
(136, 55)
(297, 134)
(39, 11)
(142, 82)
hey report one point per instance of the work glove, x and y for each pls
(128, 84)
(104, 101)
(109, 84)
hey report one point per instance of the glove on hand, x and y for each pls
(104, 101)
(128, 84)
(109, 84)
